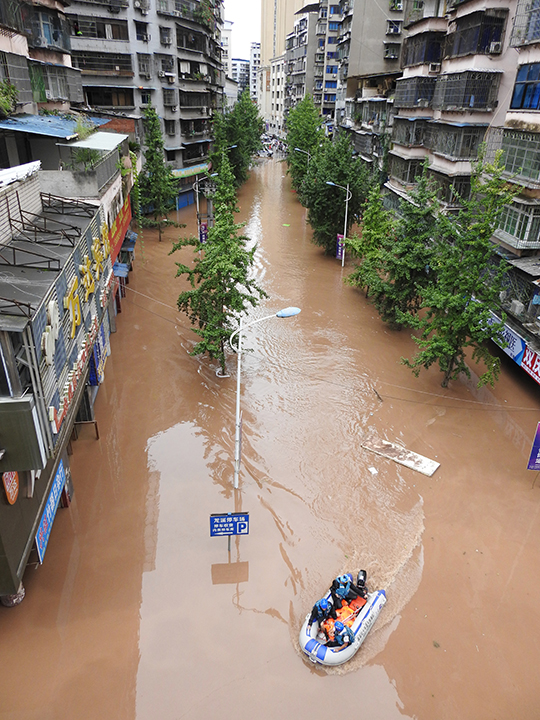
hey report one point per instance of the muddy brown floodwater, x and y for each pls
(137, 613)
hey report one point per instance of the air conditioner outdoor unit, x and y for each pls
(146, 38)
(434, 67)
(174, 108)
(137, 4)
(145, 75)
(161, 74)
(49, 94)
(40, 41)
(166, 41)
(171, 78)
(495, 47)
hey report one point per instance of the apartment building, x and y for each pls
(254, 65)
(167, 53)
(303, 76)
(240, 74)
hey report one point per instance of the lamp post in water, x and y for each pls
(347, 198)
(285, 313)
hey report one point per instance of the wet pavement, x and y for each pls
(137, 613)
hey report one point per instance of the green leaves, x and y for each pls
(242, 128)
(304, 136)
(221, 279)
(157, 185)
(334, 162)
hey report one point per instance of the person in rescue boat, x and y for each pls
(322, 610)
(343, 588)
(343, 637)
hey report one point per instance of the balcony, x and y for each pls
(468, 90)
(95, 63)
(86, 177)
(521, 154)
(519, 225)
(526, 23)
(423, 48)
(414, 92)
(479, 33)
(409, 133)
(417, 10)
(454, 143)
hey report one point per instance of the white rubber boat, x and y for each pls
(359, 617)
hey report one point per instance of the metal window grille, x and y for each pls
(521, 153)
(102, 28)
(409, 133)
(466, 90)
(414, 92)
(451, 190)
(169, 97)
(144, 63)
(475, 33)
(454, 142)
(526, 23)
(405, 170)
(423, 48)
(519, 225)
(102, 62)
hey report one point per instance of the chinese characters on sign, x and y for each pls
(229, 524)
(534, 459)
(47, 519)
(203, 232)
(340, 246)
(11, 486)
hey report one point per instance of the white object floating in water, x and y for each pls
(402, 456)
(373, 471)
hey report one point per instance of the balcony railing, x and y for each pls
(526, 23)
(468, 90)
(414, 92)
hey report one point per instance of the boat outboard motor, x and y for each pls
(362, 577)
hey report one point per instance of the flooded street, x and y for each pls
(137, 613)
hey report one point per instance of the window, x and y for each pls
(170, 155)
(330, 98)
(423, 48)
(323, 12)
(335, 10)
(141, 32)
(333, 25)
(454, 142)
(331, 55)
(393, 27)
(332, 69)
(391, 51)
(467, 90)
(331, 84)
(475, 33)
(521, 154)
(108, 97)
(527, 88)
(332, 40)
(146, 97)
(144, 64)
(521, 222)
(170, 128)
(321, 43)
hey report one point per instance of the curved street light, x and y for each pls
(304, 151)
(285, 313)
(347, 198)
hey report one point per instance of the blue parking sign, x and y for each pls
(229, 524)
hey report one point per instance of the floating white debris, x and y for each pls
(373, 471)
(402, 456)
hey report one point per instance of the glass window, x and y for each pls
(332, 40)
(330, 84)
(527, 88)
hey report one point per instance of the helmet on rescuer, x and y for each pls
(339, 626)
(324, 604)
(344, 579)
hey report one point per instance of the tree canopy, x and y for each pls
(157, 185)
(334, 162)
(221, 277)
(237, 135)
(304, 136)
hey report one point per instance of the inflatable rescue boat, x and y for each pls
(359, 615)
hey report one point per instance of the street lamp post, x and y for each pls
(285, 313)
(347, 198)
(304, 151)
(196, 185)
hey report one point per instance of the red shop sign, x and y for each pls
(11, 486)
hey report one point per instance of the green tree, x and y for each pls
(8, 98)
(326, 204)
(377, 233)
(469, 279)
(237, 134)
(406, 259)
(157, 185)
(304, 131)
(221, 276)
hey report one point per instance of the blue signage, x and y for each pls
(229, 524)
(534, 459)
(47, 519)
(340, 246)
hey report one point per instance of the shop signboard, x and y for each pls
(119, 229)
(47, 519)
(534, 459)
(203, 232)
(11, 486)
(340, 245)
(229, 524)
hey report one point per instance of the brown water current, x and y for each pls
(137, 613)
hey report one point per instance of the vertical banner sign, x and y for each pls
(534, 460)
(339, 246)
(11, 486)
(47, 519)
(203, 232)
